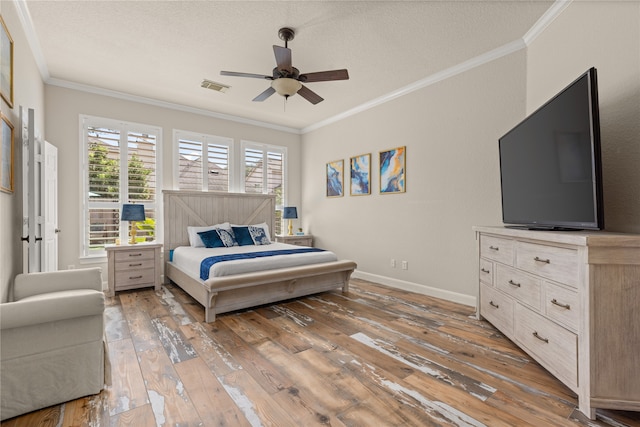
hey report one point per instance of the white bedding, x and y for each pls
(188, 259)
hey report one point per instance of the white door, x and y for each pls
(49, 194)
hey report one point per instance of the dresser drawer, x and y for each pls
(520, 285)
(497, 308)
(497, 249)
(134, 278)
(562, 305)
(486, 271)
(554, 347)
(551, 262)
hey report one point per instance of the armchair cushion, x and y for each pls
(27, 285)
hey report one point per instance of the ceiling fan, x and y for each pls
(286, 79)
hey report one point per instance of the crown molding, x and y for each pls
(541, 24)
(164, 104)
(427, 81)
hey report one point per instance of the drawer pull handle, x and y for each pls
(494, 248)
(135, 265)
(546, 261)
(138, 254)
(559, 304)
(546, 340)
(484, 270)
(135, 277)
(493, 304)
(517, 285)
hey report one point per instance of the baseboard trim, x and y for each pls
(417, 288)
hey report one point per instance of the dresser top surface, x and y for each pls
(580, 238)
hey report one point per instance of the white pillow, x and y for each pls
(195, 241)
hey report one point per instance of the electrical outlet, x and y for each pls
(393, 263)
(405, 265)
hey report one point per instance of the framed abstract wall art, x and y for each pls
(6, 64)
(360, 175)
(6, 155)
(392, 170)
(335, 178)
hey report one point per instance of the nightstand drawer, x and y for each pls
(134, 278)
(136, 255)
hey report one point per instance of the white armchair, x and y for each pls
(51, 340)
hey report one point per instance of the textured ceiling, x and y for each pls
(163, 49)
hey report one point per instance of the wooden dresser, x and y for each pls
(133, 266)
(571, 300)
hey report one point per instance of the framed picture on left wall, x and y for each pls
(6, 155)
(335, 178)
(6, 64)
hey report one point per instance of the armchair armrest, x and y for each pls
(27, 285)
(51, 307)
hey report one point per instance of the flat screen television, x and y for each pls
(550, 164)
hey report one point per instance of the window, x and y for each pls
(264, 172)
(120, 165)
(203, 162)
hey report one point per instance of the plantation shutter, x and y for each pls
(120, 167)
(192, 170)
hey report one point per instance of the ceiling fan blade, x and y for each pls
(310, 95)
(324, 76)
(264, 95)
(283, 57)
(255, 76)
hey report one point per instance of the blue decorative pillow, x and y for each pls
(211, 239)
(227, 236)
(258, 235)
(243, 237)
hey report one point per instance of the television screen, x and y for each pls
(550, 166)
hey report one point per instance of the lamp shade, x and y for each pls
(286, 86)
(290, 212)
(132, 212)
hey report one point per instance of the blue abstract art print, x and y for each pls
(335, 178)
(392, 170)
(360, 173)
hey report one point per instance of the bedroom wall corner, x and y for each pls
(605, 35)
(28, 91)
(450, 130)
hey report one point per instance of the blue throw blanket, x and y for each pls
(206, 264)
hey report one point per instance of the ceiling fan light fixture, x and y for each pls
(285, 86)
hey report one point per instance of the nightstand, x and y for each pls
(306, 240)
(133, 266)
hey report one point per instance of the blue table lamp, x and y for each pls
(290, 212)
(132, 213)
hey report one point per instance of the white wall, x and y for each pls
(605, 35)
(450, 130)
(28, 92)
(64, 107)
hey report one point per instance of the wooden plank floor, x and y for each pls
(373, 357)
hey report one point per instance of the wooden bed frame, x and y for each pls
(229, 293)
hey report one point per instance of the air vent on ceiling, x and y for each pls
(209, 84)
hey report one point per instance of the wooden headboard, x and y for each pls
(200, 208)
